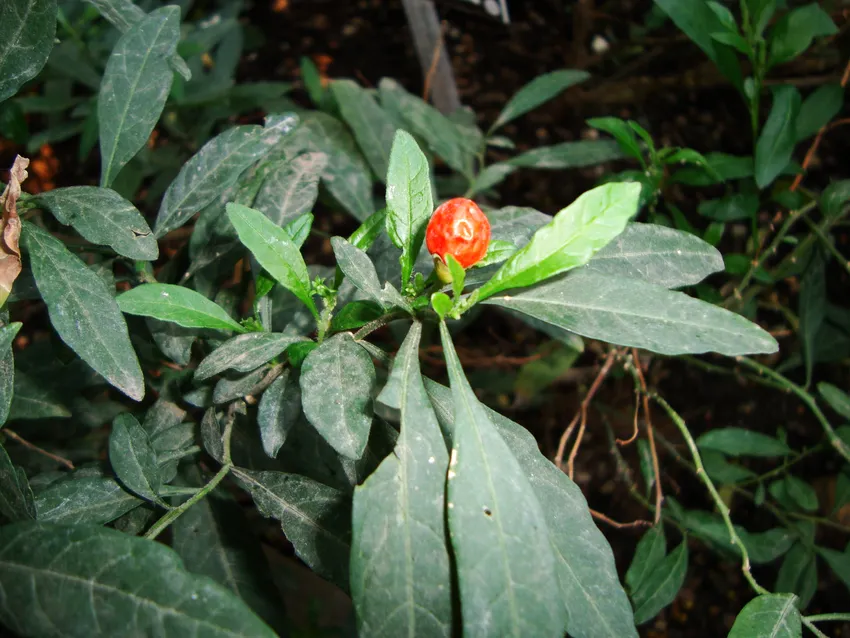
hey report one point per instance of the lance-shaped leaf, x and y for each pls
(503, 556)
(84, 312)
(133, 459)
(657, 254)
(16, 499)
(373, 129)
(336, 385)
(177, 304)
(134, 88)
(400, 570)
(539, 90)
(33, 399)
(630, 312)
(27, 30)
(244, 353)
(409, 200)
(214, 168)
(774, 615)
(595, 603)
(291, 188)
(779, 136)
(272, 246)
(660, 587)
(567, 155)
(360, 270)
(90, 499)
(7, 368)
(103, 217)
(570, 239)
(279, 410)
(315, 518)
(112, 584)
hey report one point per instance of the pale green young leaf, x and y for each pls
(336, 385)
(89, 499)
(541, 89)
(631, 312)
(133, 459)
(274, 250)
(398, 514)
(289, 191)
(134, 88)
(244, 353)
(112, 584)
(458, 275)
(769, 616)
(27, 31)
(573, 236)
(16, 499)
(102, 216)
(442, 304)
(778, 137)
(84, 312)
(660, 587)
(503, 555)
(279, 409)
(299, 229)
(497, 252)
(409, 199)
(177, 304)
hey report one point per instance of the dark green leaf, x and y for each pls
(273, 248)
(372, 127)
(837, 399)
(812, 310)
(648, 558)
(803, 494)
(174, 341)
(568, 155)
(123, 584)
(134, 88)
(798, 574)
(730, 208)
(541, 89)
(490, 177)
(794, 32)
(279, 409)
(103, 217)
(226, 390)
(16, 499)
(409, 200)
(503, 554)
(290, 189)
(620, 131)
(356, 314)
(818, 109)
(315, 518)
(177, 304)
(84, 312)
(741, 442)
(95, 500)
(769, 616)
(369, 230)
(400, 571)
(361, 272)
(778, 137)
(244, 353)
(27, 29)
(661, 585)
(835, 197)
(720, 167)
(721, 471)
(133, 459)
(574, 235)
(7, 368)
(33, 399)
(336, 384)
(839, 562)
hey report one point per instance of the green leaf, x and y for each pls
(336, 384)
(661, 585)
(801, 493)
(290, 190)
(541, 89)
(769, 616)
(458, 275)
(244, 353)
(620, 131)
(214, 538)
(819, 107)
(84, 312)
(133, 459)
(778, 137)
(497, 252)
(177, 304)
(837, 399)
(274, 249)
(280, 407)
(730, 208)
(214, 168)
(134, 88)
(490, 177)
(574, 235)
(7, 368)
(503, 555)
(16, 499)
(719, 167)
(798, 574)
(658, 255)
(123, 584)
(409, 200)
(356, 314)
(32, 399)
(595, 603)
(362, 274)
(812, 310)
(315, 518)
(400, 567)
(839, 562)
(793, 33)
(369, 230)
(568, 155)
(27, 31)
(442, 304)
(373, 129)
(648, 558)
(92, 499)
(102, 216)
(742, 442)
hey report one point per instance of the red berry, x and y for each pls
(458, 228)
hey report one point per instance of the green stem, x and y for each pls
(828, 618)
(828, 244)
(805, 397)
(718, 502)
(817, 632)
(378, 323)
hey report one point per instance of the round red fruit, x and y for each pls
(458, 228)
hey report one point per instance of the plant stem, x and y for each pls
(808, 623)
(805, 397)
(828, 244)
(829, 618)
(718, 502)
(378, 323)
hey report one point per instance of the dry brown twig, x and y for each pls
(650, 434)
(599, 516)
(17, 437)
(435, 60)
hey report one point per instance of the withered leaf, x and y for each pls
(10, 228)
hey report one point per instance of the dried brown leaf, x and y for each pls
(10, 228)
